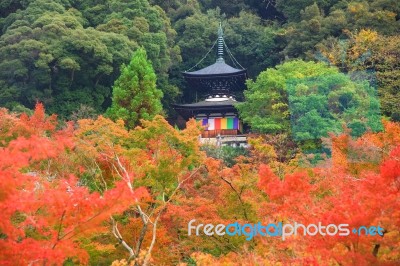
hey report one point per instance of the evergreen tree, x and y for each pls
(135, 94)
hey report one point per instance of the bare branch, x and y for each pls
(146, 219)
(126, 177)
(117, 235)
(141, 237)
(153, 240)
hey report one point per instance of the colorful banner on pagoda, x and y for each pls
(221, 123)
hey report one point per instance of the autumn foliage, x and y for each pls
(42, 213)
(97, 193)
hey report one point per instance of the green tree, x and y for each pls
(310, 100)
(292, 9)
(135, 94)
(323, 104)
(148, 25)
(48, 54)
(228, 7)
(66, 53)
(266, 107)
(309, 25)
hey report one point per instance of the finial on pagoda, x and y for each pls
(220, 44)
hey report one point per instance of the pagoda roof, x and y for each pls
(192, 109)
(207, 104)
(219, 68)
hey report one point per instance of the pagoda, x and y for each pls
(219, 84)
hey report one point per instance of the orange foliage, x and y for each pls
(343, 193)
(42, 214)
(158, 172)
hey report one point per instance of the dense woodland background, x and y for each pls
(67, 54)
(92, 174)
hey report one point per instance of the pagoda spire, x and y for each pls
(220, 44)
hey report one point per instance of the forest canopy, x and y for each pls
(67, 54)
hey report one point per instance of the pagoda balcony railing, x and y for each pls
(220, 132)
(226, 140)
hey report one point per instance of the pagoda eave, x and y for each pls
(206, 108)
(242, 73)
